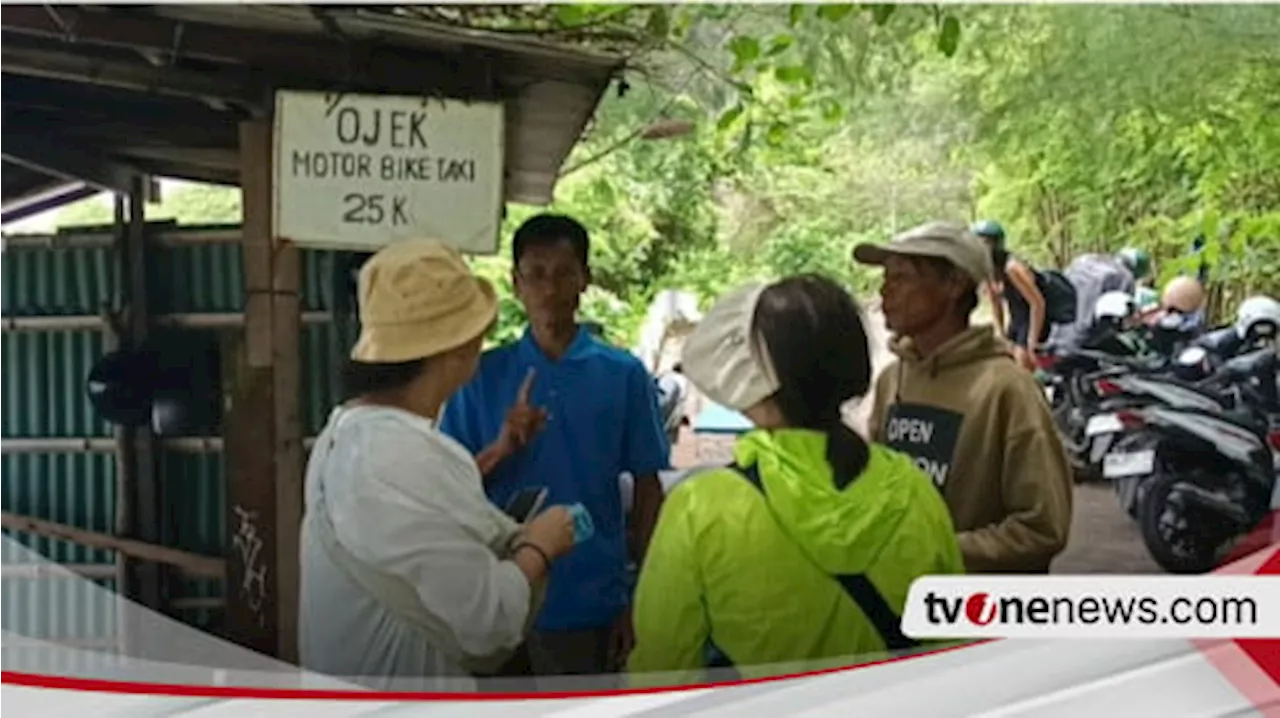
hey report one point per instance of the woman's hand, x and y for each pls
(551, 531)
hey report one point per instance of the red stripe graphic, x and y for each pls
(34, 680)
(1252, 665)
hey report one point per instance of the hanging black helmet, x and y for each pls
(120, 387)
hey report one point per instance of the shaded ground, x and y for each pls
(1103, 538)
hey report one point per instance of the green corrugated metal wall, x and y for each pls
(44, 397)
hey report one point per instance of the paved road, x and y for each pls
(1103, 538)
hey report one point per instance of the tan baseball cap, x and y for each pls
(945, 240)
(720, 357)
(418, 299)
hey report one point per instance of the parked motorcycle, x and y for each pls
(1197, 477)
(1074, 377)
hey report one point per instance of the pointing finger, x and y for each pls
(522, 396)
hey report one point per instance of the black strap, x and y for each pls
(857, 586)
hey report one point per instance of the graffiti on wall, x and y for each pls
(253, 569)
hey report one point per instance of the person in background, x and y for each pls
(805, 548)
(407, 571)
(1184, 295)
(1185, 298)
(1015, 287)
(1094, 275)
(562, 409)
(673, 392)
(953, 402)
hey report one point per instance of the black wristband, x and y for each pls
(546, 560)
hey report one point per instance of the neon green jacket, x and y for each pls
(755, 575)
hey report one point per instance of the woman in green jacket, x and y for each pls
(804, 550)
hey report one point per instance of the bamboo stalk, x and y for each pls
(72, 445)
(43, 571)
(211, 603)
(113, 325)
(31, 642)
(104, 238)
(223, 320)
(193, 564)
(102, 445)
(79, 322)
(54, 324)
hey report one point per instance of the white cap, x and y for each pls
(720, 357)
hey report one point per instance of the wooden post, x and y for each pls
(262, 429)
(140, 482)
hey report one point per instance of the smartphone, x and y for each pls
(526, 503)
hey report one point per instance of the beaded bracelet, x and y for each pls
(546, 560)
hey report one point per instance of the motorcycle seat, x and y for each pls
(1209, 391)
(1260, 364)
(1247, 420)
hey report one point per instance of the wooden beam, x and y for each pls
(262, 432)
(145, 582)
(63, 159)
(192, 564)
(104, 445)
(126, 621)
(82, 322)
(47, 571)
(290, 58)
(61, 65)
(164, 234)
(220, 160)
(36, 101)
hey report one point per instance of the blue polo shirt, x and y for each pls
(603, 421)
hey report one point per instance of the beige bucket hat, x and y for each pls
(418, 299)
(721, 356)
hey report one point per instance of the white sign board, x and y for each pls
(362, 171)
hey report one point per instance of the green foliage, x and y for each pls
(1081, 128)
(1098, 127)
(185, 203)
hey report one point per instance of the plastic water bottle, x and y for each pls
(583, 528)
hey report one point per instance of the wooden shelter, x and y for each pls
(107, 97)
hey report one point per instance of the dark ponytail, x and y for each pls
(812, 332)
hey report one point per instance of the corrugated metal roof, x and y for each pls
(551, 91)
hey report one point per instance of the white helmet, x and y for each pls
(1257, 317)
(1114, 305)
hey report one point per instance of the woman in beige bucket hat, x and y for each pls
(408, 571)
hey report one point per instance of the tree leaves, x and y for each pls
(949, 36)
(781, 44)
(745, 49)
(834, 12)
(795, 14)
(793, 74)
(729, 116)
(659, 24)
(881, 13)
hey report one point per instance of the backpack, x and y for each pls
(1059, 296)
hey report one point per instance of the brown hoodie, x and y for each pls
(979, 426)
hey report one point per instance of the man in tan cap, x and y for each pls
(956, 402)
(408, 572)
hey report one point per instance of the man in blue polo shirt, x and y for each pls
(562, 409)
